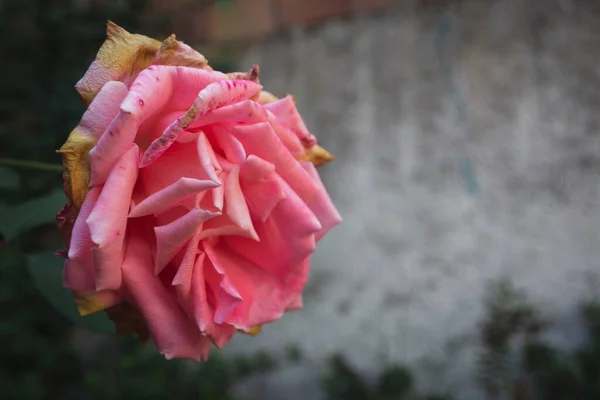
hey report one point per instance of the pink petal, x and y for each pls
(175, 335)
(229, 144)
(261, 190)
(287, 137)
(261, 140)
(171, 196)
(78, 274)
(244, 112)
(171, 238)
(219, 334)
(286, 237)
(190, 285)
(321, 204)
(215, 95)
(183, 277)
(236, 216)
(273, 298)
(157, 88)
(265, 298)
(103, 108)
(188, 160)
(232, 288)
(286, 112)
(108, 220)
(295, 303)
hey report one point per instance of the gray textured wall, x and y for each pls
(468, 148)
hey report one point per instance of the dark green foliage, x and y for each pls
(395, 382)
(342, 382)
(517, 364)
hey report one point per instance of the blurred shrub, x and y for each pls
(516, 363)
(396, 382)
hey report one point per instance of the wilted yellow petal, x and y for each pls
(265, 97)
(76, 164)
(89, 303)
(122, 56)
(254, 330)
(174, 52)
(316, 155)
(251, 75)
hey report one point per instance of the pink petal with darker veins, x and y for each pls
(213, 96)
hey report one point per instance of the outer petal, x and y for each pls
(286, 112)
(78, 274)
(81, 140)
(321, 204)
(175, 335)
(108, 220)
(174, 52)
(121, 56)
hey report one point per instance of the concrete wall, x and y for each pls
(468, 148)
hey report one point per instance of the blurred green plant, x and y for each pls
(516, 363)
(396, 382)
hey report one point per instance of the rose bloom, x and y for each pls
(194, 203)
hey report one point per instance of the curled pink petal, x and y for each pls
(215, 95)
(170, 196)
(171, 238)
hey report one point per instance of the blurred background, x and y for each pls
(467, 137)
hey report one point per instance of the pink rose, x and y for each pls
(194, 201)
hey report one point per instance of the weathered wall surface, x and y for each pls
(468, 147)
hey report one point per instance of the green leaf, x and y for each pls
(46, 271)
(22, 217)
(9, 179)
